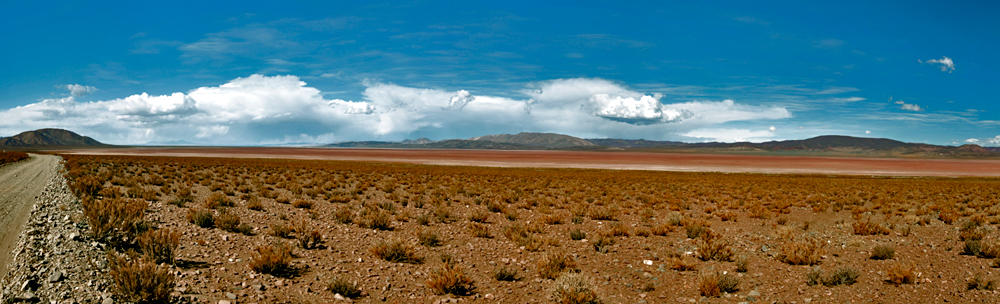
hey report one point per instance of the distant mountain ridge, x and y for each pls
(49, 138)
(546, 140)
(837, 145)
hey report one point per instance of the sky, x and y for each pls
(306, 72)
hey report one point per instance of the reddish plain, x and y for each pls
(687, 162)
(403, 233)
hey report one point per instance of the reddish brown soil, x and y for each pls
(600, 160)
(766, 213)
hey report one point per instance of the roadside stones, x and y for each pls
(54, 261)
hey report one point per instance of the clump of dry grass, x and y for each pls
(574, 288)
(742, 263)
(216, 200)
(279, 229)
(713, 284)
(307, 236)
(273, 259)
(375, 218)
(140, 280)
(711, 246)
(451, 279)
(479, 230)
(601, 243)
(429, 238)
(396, 251)
(841, 276)
(201, 217)
(301, 203)
(883, 252)
(803, 252)
(977, 282)
(577, 234)
(681, 263)
(552, 264)
(159, 245)
(662, 229)
(506, 274)
(229, 221)
(901, 273)
(868, 227)
(340, 285)
(479, 216)
(253, 203)
(113, 218)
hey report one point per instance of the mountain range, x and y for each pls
(827, 145)
(832, 145)
(46, 138)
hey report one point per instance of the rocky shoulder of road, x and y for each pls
(54, 260)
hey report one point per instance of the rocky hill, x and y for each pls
(545, 140)
(48, 138)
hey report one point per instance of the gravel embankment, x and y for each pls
(54, 261)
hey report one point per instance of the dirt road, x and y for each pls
(20, 183)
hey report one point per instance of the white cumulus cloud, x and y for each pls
(947, 65)
(77, 90)
(275, 109)
(730, 135)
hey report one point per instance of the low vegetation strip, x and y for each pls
(273, 231)
(11, 157)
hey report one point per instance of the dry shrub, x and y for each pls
(216, 200)
(970, 231)
(182, 197)
(727, 215)
(841, 276)
(343, 215)
(506, 274)
(601, 243)
(742, 263)
(229, 221)
(283, 199)
(253, 203)
(617, 229)
(803, 252)
(307, 236)
(85, 186)
(694, 232)
(550, 219)
(552, 264)
(948, 217)
(429, 238)
(140, 280)
(574, 288)
(301, 203)
(713, 284)
(479, 230)
(114, 218)
(273, 259)
(375, 218)
(662, 229)
(869, 227)
(516, 233)
(281, 230)
(577, 234)
(396, 251)
(711, 246)
(340, 285)
(902, 274)
(110, 192)
(201, 217)
(451, 279)
(979, 283)
(681, 263)
(603, 214)
(159, 245)
(479, 216)
(883, 252)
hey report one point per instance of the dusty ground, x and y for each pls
(600, 160)
(756, 216)
(20, 184)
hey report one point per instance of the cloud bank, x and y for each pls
(283, 109)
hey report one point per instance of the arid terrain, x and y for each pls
(689, 162)
(407, 233)
(20, 183)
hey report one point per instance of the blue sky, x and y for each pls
(240, 73)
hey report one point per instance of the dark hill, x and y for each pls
(543, 140)
(48, 138)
